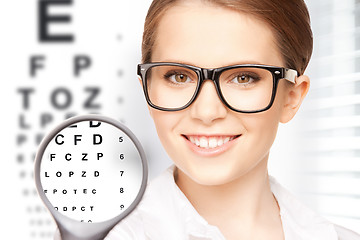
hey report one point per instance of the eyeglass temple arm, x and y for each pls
(290, 75)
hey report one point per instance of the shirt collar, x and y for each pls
(196, 226)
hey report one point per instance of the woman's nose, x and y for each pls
(208, 106)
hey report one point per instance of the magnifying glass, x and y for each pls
(91, 172)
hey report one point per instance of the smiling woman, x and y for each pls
(219, 76)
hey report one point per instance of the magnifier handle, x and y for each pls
(78, 232)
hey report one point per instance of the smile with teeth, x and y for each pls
(208, 142)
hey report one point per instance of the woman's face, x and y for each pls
(210, 36)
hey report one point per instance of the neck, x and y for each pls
(245, 201)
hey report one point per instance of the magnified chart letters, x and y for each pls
(91, 169)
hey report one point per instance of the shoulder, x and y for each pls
(160, 206)
(301, 222)
(129, 229)
(346, 234)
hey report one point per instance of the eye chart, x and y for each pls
(91, 171)
(53, 70)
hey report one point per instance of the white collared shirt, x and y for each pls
(165, 213)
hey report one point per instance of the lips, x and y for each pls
(210, 142)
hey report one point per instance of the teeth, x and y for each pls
(220, 142)
(209, 142)
(212, 142)
(197, 142)
(204, 142)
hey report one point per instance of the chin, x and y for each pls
(213, 175)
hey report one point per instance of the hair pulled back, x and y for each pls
(288, 19)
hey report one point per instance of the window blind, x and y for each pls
(329, 139)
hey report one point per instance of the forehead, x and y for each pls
(208, 35)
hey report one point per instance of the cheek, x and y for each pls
(165, 123)
(262, 127)
(162, 123)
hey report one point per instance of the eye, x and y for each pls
(180, 78)
(245, 78)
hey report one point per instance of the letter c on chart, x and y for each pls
(56, 139)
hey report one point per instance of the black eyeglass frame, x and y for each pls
(213, 74)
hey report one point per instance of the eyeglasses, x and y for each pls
(245, 88)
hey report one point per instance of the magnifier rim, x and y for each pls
(68, 224)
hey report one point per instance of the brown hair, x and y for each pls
(289, 20)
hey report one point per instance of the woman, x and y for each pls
(219, 76)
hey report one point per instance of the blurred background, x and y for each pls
(62, 58)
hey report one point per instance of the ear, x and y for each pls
(293, 98)
(150, 108)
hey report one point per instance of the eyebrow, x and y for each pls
(224, 65)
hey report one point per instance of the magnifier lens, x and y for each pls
(90, 169)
